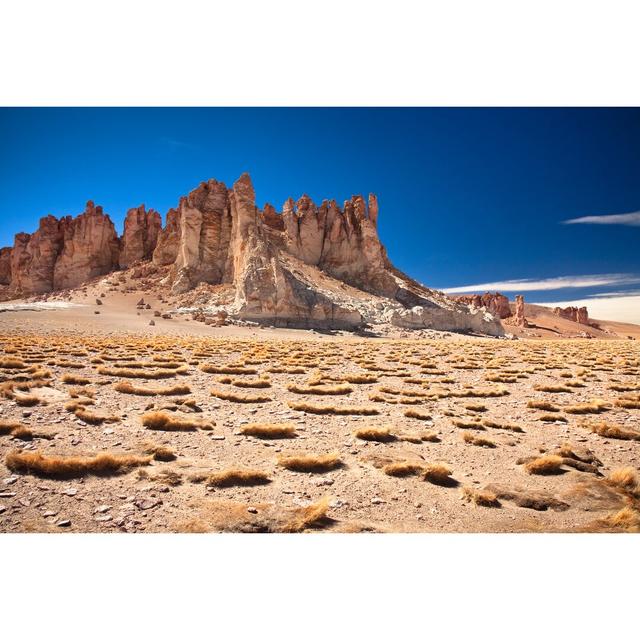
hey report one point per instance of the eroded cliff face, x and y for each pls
(576, 314)
(90, 248)
(308, 266)
(140, 237)
(34, 256)
(5, 265)
(496, 303)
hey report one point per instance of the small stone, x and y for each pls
(63, 523)
(49, 514)
(217, 437)
(2, 509)
(103, 508)
(147, 504)
(104, 518)
(24, 502)
(7, 494)
(10, 480)
(377, 500)
(252, 510)
(70, 491)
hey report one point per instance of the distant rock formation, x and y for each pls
(519, 319)
(576, 314)
(5, 265)
(140, 237)
(496, 303)
(309, 266)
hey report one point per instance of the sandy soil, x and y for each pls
(444, 378)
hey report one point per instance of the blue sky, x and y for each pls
(468, 197)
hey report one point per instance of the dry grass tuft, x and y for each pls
(72, 466)
(321, 390)
(595, 406)
(153, 374)
(469, 438)
(626, 519)
(160, 452)
(237, 370)
(237, 478)
(492, 424)
(306, 517)
(375, 434)
(480, 498)
(614, 431)
(543, 405)
(160, 421)
(26, 400)
(71, 378)
(310, 463)
(631, 401)
(309, 407)
(418, 415)
(175, 390)
(237, 397)
(93, 418)
(403, 469)
(545, 465)
(625, 478)
(438, 474)
(269, 430)
(552, 388)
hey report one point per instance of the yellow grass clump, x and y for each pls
(70, 378)
(625, 478)
(160, 421)
(237, 397)
(438, 474)
(607, 430)
(269, 430)
(543, 405)
(72, 466)
(310, 463)
(631, 401)
(321, 390)
(545, 465)
(348, 410)
(375, 434)
(160, 452)
(153, 374)
(175, 390)
(418, 415)
(480, 498)
(237, 478)
(403, 469)
(233, 370)
(469, 438)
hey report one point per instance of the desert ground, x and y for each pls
(110, 424)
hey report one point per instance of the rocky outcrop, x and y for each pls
(496, 303)
(575, 314)
(519, 319)
(34, 256)
(140, 237)
(5, 265)
(90, 248)
(309, 266)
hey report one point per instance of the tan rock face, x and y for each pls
(90, 249)
(204, 237)
(519, 319)
(310, 266)
(5, 265)
(496, 303)
(166, 250)
(140, 237)
(34, 256)
(576, 314)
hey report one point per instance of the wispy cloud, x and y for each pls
(174, 143)
(616, 308)
(550, 284)
(627, 219)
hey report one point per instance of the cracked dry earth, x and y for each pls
(125, 433)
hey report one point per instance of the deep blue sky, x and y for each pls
(466, 196)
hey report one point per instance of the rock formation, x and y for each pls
(576, 314)
(496, 303)
(309, 266)
(141, 230)
(519, 319)
(5, 265)
(90, 249)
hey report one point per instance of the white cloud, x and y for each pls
(628, 219)
(616, 308)
(550, 284)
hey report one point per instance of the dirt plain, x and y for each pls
(440, 434)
